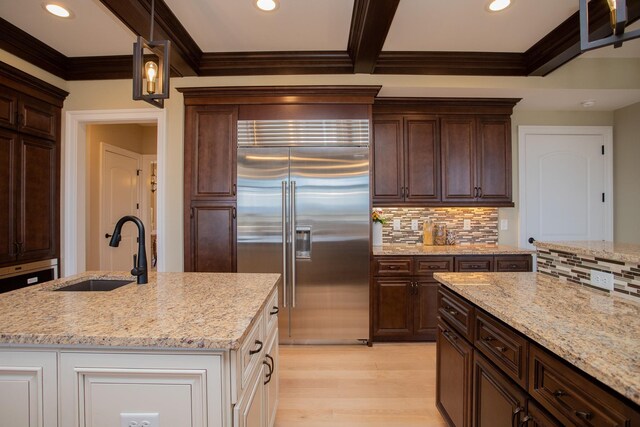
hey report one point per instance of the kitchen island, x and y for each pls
(569, 349)
(198, 349)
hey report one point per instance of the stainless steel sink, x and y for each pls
(94, 285)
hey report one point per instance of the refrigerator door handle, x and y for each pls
(284, 243)
(292, 220)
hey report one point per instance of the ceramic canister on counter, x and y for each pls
(440, 234)
(451, 237)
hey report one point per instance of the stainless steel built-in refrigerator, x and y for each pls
(303, 212)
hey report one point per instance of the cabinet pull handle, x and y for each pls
(559, 393)
(501, 349)
(513, 266)
(451, 311)
(275, 310)
(488, 338)
(584, 415)
(475, 192)
(268, 380)
(406, 191)
(20, 250)
(515, 415)
(233, 212)
(258, 350)
(393, 267)
(479, 192)
(233, 189)
(433, 267)
(449, 335)
(525, 421)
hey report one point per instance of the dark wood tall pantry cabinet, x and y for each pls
(30, 112)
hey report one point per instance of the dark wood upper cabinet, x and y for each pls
(210, 151)
(30, 112)
(458, 159)
(388, 159)
(422, 165)
(494, 159)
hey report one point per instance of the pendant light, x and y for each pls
(151, 70)
(618, 13)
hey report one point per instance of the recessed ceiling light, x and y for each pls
(57, 10)
(267, 5)
(498, 5)
(588, 103)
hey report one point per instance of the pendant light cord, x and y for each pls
(152, 19)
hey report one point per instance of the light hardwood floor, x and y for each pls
(391, 385)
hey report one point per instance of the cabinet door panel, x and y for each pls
(387, 159)
(210, 152)
(458, 159)
(393, 308)
(38, 118)
(213, 239)
(8, 165)
(426, 310)
(453, 376)
(495, 398)
(8, 107)
(494, 159)
(422, 152)
(37, 199)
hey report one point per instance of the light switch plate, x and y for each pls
(504, 224)
(466, 224)
(602, 279)
(396, 224)
(414, 224)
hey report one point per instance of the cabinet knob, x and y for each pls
(559, 393)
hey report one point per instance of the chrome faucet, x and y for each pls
(140, 262)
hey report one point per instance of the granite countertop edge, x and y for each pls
(619, 378)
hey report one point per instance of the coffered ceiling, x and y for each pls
(234, 38)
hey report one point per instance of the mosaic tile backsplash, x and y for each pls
(576, 268)
(484, 224)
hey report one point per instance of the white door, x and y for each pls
(120, 197)
(565, 183)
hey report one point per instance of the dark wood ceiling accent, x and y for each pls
(563, 43)
(136, 14)
(452, 63)
(370, 23)
(275, 63)
(444, 105)
(100, 67)
(248, 95)
(27, 47)
(30, 85)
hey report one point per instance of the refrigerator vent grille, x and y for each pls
(292, 133)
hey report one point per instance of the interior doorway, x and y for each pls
(76, 174)
(566, 183)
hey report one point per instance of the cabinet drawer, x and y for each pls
(393, 266)
(250, 353)
(474, 263)
(513, 263)
(429, 265)
(502, 346)
(456, 311)
(572, 397)
(271, 310)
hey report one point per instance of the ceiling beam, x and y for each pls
(452, 63)
(370, 23)
(32, 50)
(563, 43)
(136, 14)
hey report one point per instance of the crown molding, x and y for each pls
(451, 63)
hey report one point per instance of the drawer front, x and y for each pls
(426, 266)
(474, 263)
(502, 346)
(456, 311)
(511, 263)
(572, 397)
(393, 266)
(271, 310)
(38, 118)
(251, 351)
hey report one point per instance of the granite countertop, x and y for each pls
(623, 252)
(596, 332)
(404, 249)
(173, 310)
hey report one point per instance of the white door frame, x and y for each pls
(606, 132)
(74, 152)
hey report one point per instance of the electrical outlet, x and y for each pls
(396, 224)
(466, 224)
(504, 224)
(602, 280)
(414, 224)
(148, 419)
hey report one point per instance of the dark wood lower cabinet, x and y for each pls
(454, 357)
(393, 308)
(497, 401)
(537, 417)
(425, 309)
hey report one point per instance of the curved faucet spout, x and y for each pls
(140, 264)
